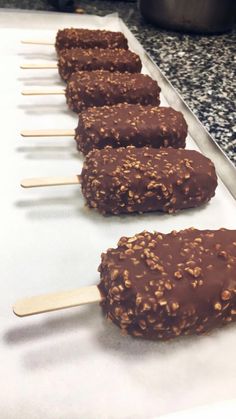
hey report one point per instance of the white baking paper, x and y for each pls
(73, 364)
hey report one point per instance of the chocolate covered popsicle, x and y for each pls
(128, 180)
(77, 59)
(128, 124)
(68, 38)
(99, 88)
(161, 286)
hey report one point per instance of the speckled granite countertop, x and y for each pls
(201, 68)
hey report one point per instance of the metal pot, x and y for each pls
(202, 16)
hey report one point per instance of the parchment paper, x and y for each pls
(73, 364)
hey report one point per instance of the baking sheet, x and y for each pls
(73, 364)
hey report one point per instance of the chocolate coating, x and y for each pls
(126, 124)
(127, 180)
(159, 286)
(78, 59)
(99, 88)
(86, 38)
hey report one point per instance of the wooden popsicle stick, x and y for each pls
(58, 301)
(36, 42)
(50, 181)
(43, 92)
(46, 66)
(48, 133)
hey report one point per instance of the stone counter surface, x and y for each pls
(201, 68)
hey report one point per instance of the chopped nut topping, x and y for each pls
(200, 328)
(142, 324)
(226, 295)
(175, 306)
(115, 290)
(168, 285)
(138, 300)
(178, 275)
(223, 254)
(152, 319)
(162, 302)
(197, 272)
(114, 274)
(217, 306)
(159, 294)
(128, 283)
